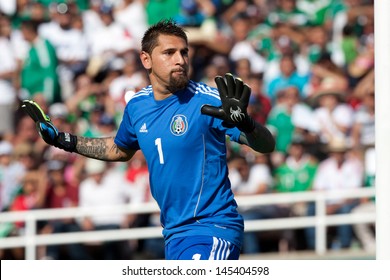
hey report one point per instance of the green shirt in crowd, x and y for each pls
(39, 71)
(292, 176)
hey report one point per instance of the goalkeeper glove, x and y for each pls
(47, 130)
(235, 99)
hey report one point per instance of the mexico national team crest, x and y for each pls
(179, 125)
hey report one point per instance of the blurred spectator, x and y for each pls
(25, 133)
(70, 43)
(131, 78)
(218, 65)
(84, 97)
(91, 19)
(243, 68)
(137, 176)
(31, 196)
(324, 76)
(320, 12)
(288, 116)
(39, 71)
(242, 47)
(288, 77)
(363, 135)
(102, 187)
(296, 174)
(90, 101)
(134, 10)
(203, 28)
(363, 63)
(287, 13)
(190, 13)
(19, 45)
(349, 45)
(334, 117)
(25, 154)
(11, 175)
(355, 14)
(342, 170)
(317, 45)
(92, 124)
(108, 42)
(8, 74)
(58, 113)
(363, 129)
(259, 104)
(61, 194)
(365, 233)
(20, 10)
(251, 180)
(107, 125)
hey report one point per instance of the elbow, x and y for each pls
(269, 143)
(269, 147)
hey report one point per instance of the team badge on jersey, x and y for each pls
(179, 125)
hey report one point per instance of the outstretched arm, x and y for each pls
(98, 148)
(102, 148)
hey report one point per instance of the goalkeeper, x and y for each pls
(181, 128)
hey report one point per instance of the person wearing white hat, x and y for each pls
(103, 187)
(342, 170)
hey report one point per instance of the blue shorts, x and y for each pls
(201, 248)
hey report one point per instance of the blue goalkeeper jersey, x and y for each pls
(186, 156)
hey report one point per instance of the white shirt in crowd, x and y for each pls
(112, 191)
(342, 115)
(70, 45)
(331, 177)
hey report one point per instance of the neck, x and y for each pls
(160, 93)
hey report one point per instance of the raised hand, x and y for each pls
(234, 96)
(47, 130)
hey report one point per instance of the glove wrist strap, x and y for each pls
(66, 141)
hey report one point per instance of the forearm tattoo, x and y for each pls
(99, 148)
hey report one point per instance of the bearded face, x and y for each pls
(168, 64)
(178, 80)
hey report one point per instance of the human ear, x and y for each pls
(146, 60)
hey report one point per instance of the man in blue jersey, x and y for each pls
(181, 128)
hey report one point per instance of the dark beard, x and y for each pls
(179, 83)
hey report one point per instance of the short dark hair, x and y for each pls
(165, 27)
(31, 25)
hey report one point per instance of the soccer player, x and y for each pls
(181, 128)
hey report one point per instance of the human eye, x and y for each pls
(184, 52)
(169, 52)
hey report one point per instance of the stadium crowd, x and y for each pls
(309, 63)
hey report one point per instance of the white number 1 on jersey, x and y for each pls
(157, 142)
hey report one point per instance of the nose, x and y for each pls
(180, 58)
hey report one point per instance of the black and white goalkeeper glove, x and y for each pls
(234, 96)
(47, 130)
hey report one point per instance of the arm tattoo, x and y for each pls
(99, 148)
